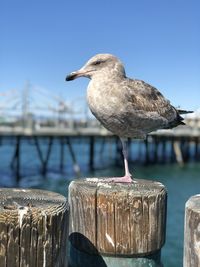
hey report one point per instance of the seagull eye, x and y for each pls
(98, 62)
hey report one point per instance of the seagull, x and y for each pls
(129, 108)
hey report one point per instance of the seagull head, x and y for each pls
(99, 65)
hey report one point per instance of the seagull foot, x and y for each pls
(125, 179)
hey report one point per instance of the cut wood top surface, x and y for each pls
(16, 198)
(139, 186)
(194, 203)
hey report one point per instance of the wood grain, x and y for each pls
(33, 228)
(192, 232)
(117, 219)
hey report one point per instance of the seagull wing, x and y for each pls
(148, 100)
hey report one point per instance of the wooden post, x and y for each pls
(116, 224)
(192, 232)
(33, 228)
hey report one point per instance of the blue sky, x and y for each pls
(158, 41)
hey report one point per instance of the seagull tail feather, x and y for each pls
(182, 111)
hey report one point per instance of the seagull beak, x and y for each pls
(83, 72)
(73, 75)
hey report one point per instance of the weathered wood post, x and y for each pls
(33, 228)
(116, 224)
(192, 232)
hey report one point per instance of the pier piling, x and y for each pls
(62, 153)
(33, 228)
(92, 152)
(116, 224)
(15, 162)
(44, 158)
(192, 232)
(73, 156)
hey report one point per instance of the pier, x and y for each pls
(180, 145)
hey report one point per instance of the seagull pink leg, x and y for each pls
(127, 177)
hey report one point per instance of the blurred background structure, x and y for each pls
(33, 108)
(47, 135)
(51, 118)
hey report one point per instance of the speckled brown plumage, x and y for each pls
(127, 107)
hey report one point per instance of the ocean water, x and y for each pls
(181, 182)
